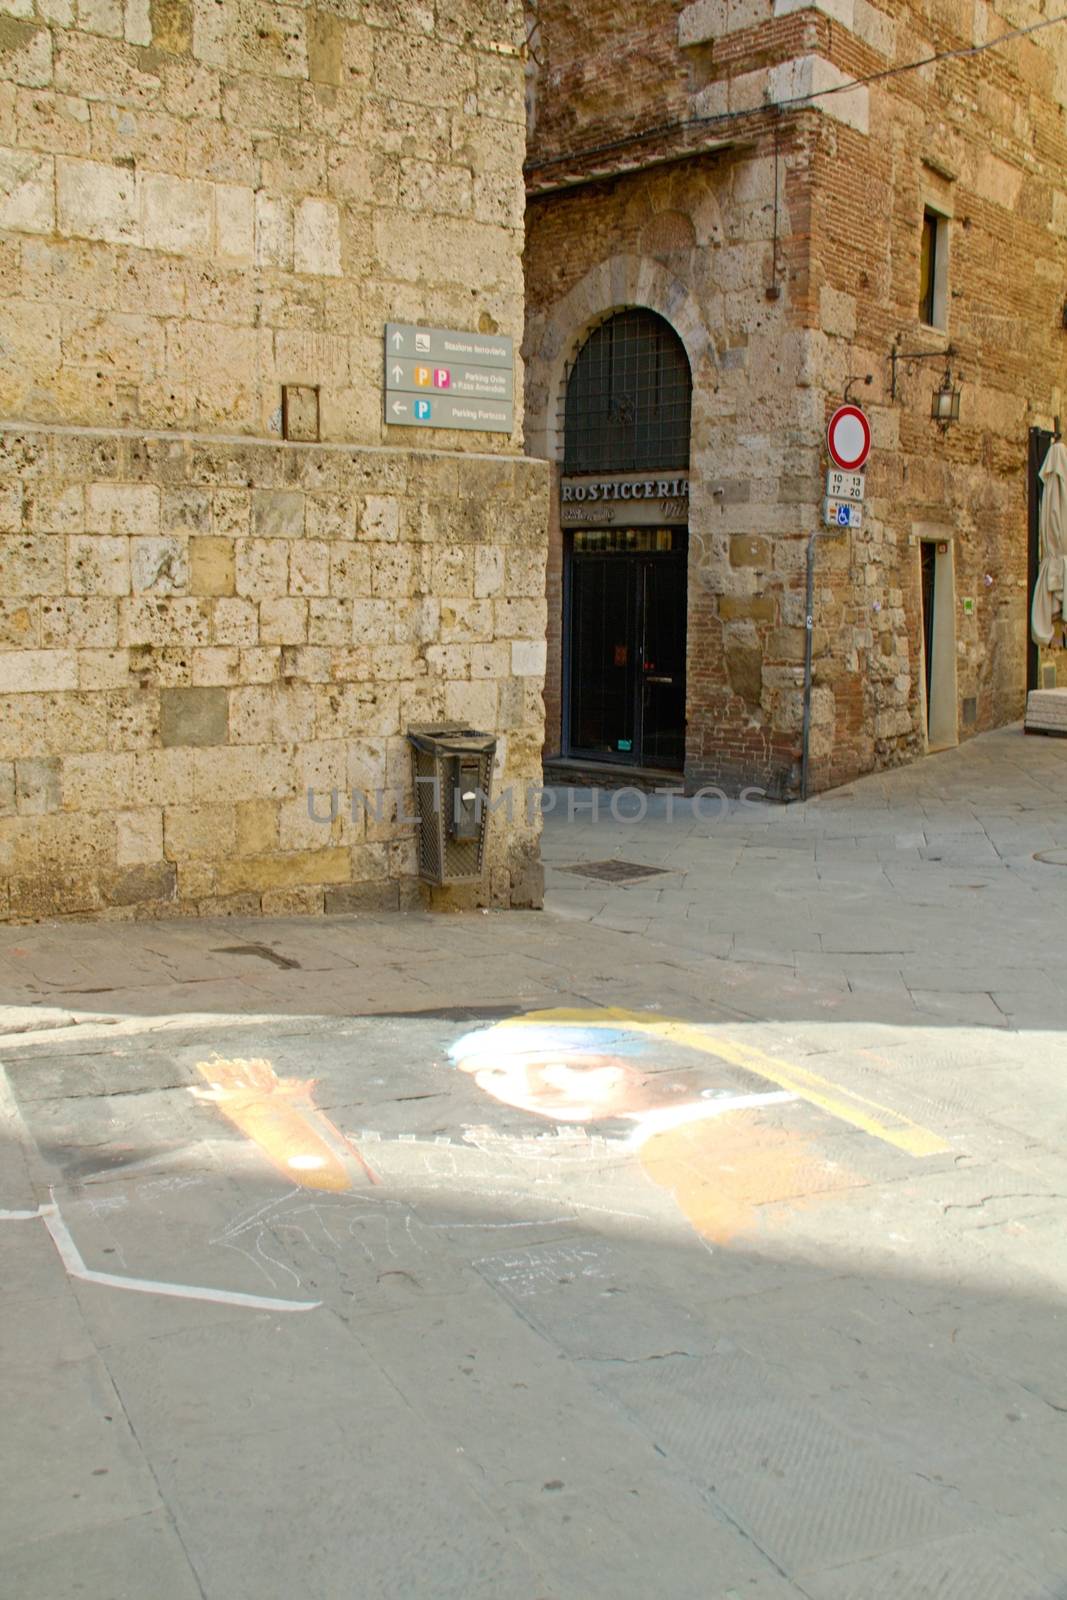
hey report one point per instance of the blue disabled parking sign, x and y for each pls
(842, 513)
(423, 410)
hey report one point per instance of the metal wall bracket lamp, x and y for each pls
(896, 355)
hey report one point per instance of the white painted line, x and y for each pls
(653, 1122)
(71, 1258)
(70, 1255)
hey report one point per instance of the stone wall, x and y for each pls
(784, 248)
(196, 635)
(201, 620)
(682, 241)
(203, 200)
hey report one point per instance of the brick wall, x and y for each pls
(842, 183)
(601, 67)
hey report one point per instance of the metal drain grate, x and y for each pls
(1052, 858)
(615, 871)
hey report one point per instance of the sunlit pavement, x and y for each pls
(700, 1238)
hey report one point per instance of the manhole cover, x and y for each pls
(615, 871)
(1052, 858)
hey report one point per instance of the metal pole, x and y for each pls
(809, 626)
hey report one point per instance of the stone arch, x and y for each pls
(623, 283)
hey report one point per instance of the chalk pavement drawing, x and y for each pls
(71, 1258)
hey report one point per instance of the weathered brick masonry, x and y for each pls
(200, 620)
(783, 246)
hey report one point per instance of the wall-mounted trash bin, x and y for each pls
(453, 770)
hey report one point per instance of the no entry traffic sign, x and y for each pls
(848, 438)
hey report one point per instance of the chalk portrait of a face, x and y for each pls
(601, 1069)
(714, 1134)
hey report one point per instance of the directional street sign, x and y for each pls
(443, 345)
(842, 514)
(845, 485)
(445, 378)
(444, 411)
(457, 378)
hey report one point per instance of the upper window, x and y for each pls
(933, 270)
(629, 398)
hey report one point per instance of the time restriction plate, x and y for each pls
(845, 485)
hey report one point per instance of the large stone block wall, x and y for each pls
(194, 635)
(203, 200)
(822, 205)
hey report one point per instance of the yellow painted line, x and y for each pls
(880, 1121)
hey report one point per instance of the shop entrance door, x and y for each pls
(626, 646)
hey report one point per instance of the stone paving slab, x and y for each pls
(770, 1353)
(109, 1558)
(950, 1569)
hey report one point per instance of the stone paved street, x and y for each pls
(700, 1237)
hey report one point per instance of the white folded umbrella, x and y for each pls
(1051, 586)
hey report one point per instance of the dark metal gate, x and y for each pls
(629, 398)
(626, 616)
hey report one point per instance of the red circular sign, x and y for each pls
(848, 438)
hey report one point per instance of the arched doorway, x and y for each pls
(624, 513)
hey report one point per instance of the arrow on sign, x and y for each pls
(398, 373)
(398, 408)
(398, 341)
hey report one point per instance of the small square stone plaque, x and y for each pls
(193, 716)
(300, 412)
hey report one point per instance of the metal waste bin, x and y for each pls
(453, 770)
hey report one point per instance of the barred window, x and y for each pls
(629, 398)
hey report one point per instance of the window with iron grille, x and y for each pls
(629, 397)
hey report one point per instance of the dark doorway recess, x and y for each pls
(627, 646)
(628, 408)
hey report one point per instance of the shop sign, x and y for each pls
(628, 499)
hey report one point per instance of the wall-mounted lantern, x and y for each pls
(897, 356)
(945, 407)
